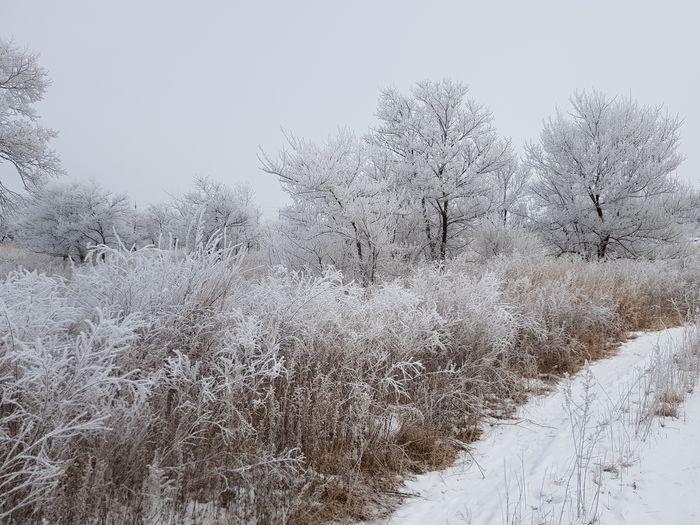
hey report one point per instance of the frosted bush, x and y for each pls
(61, 388)
(33, 306)
(494, 239)
(472, 307)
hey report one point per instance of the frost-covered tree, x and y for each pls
(24, 144)
(510, 188)
(157, 225)
(66, 219)
(337, 203)
(503, 231)
(213, 208)
(297, 241)
(440, 151)
(604, 178)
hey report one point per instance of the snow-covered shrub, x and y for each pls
(492, 238)
(479, 333)
(574, 308)
(63, 388)
(137, 363)
(351, 359)
(565, 325)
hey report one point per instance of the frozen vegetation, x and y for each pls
(188, 362)
(149, 384)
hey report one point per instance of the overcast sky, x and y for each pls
(148, 94)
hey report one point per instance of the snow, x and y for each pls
(666, 478)
(525, 470)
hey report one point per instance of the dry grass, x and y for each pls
(13, 257)
(284, 398)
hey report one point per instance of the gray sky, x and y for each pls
(148, 94)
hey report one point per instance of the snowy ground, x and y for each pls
(583, 454)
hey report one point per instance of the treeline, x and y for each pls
(433, 180)
(66, 219)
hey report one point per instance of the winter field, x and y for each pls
(435, 327)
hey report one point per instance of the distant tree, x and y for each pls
(296, 241)
(213, 208)
(440, 151)
(66, 219)
(604, 178)
(510, 191)
(503, 231)
(7, 226)
(24, 144)
(339, 207)
(157, 225)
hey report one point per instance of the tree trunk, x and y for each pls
(443, 240)
(604, 241)
(603, 246)
(358, 246)
(428, 235)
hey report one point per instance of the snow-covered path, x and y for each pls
(666, 479)
(560, 460)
